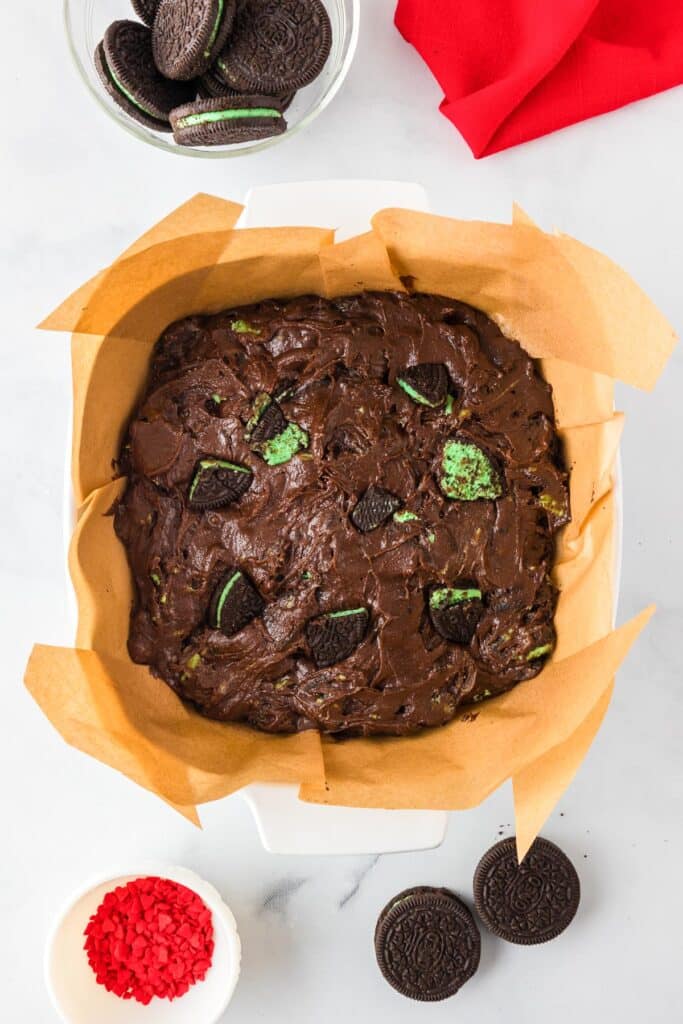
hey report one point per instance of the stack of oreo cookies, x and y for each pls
(214, 72)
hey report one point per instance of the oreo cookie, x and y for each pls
(267, 422)
(188, 35)
(225, 121)
(235, 602)
(426, 383)
(526, 903)
(217, 483)
(210, 84)
(467, 472)
(427, 943)
(336, 635)
(270, 434)
(455, 611)
(125, 64)
(276, 46)
(146, 10)
(374, 508)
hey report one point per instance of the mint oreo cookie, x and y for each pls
(270, 433)
(217, 482)
(426, 383)
(455, 611)
(267, 420)
(235, 602)
(336, 635)
(126, 67)
(189, 34)
(146, 10)
(210, 84)
(375, 507)
(276, 46)
(467, 472)
(227, 120)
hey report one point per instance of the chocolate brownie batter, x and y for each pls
(340, 513)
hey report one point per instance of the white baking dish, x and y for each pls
(286, 824)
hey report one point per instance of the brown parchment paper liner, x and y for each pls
(569, 306)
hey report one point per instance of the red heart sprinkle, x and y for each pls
(151, 937)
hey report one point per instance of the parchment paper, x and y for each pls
(566, 304)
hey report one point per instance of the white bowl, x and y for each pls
(76, 995)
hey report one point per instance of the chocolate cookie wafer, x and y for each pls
(427, 943)
(189, 34)
(530, 902)
(146, 10)
(217, 482)
(455, 611)
(375, 507)
(126, 67)
(334, 636)
(276, 46)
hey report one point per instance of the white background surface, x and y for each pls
(74, 192)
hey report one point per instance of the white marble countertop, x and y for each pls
(75, 191)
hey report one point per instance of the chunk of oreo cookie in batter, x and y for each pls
(217, 482)
(467, 473)
(425, 384)
(375, 507)
(336, 635)
(455, 611)
(235, 602)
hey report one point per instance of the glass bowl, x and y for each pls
(87, 20)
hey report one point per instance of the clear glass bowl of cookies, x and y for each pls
(86, 22)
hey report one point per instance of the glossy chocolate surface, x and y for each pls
(334, 368)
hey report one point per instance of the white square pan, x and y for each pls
(285, 824)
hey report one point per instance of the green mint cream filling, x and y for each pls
(213, 116)
(539, 652)
(415, 395)
(285, 446)
(243, 327)
(467, 473)
(129, 96)
(224, 594)
(406, 516)
(446, 597)
(214, 464)
(214, 30)
(347, 611)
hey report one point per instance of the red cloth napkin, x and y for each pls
(513, 70)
